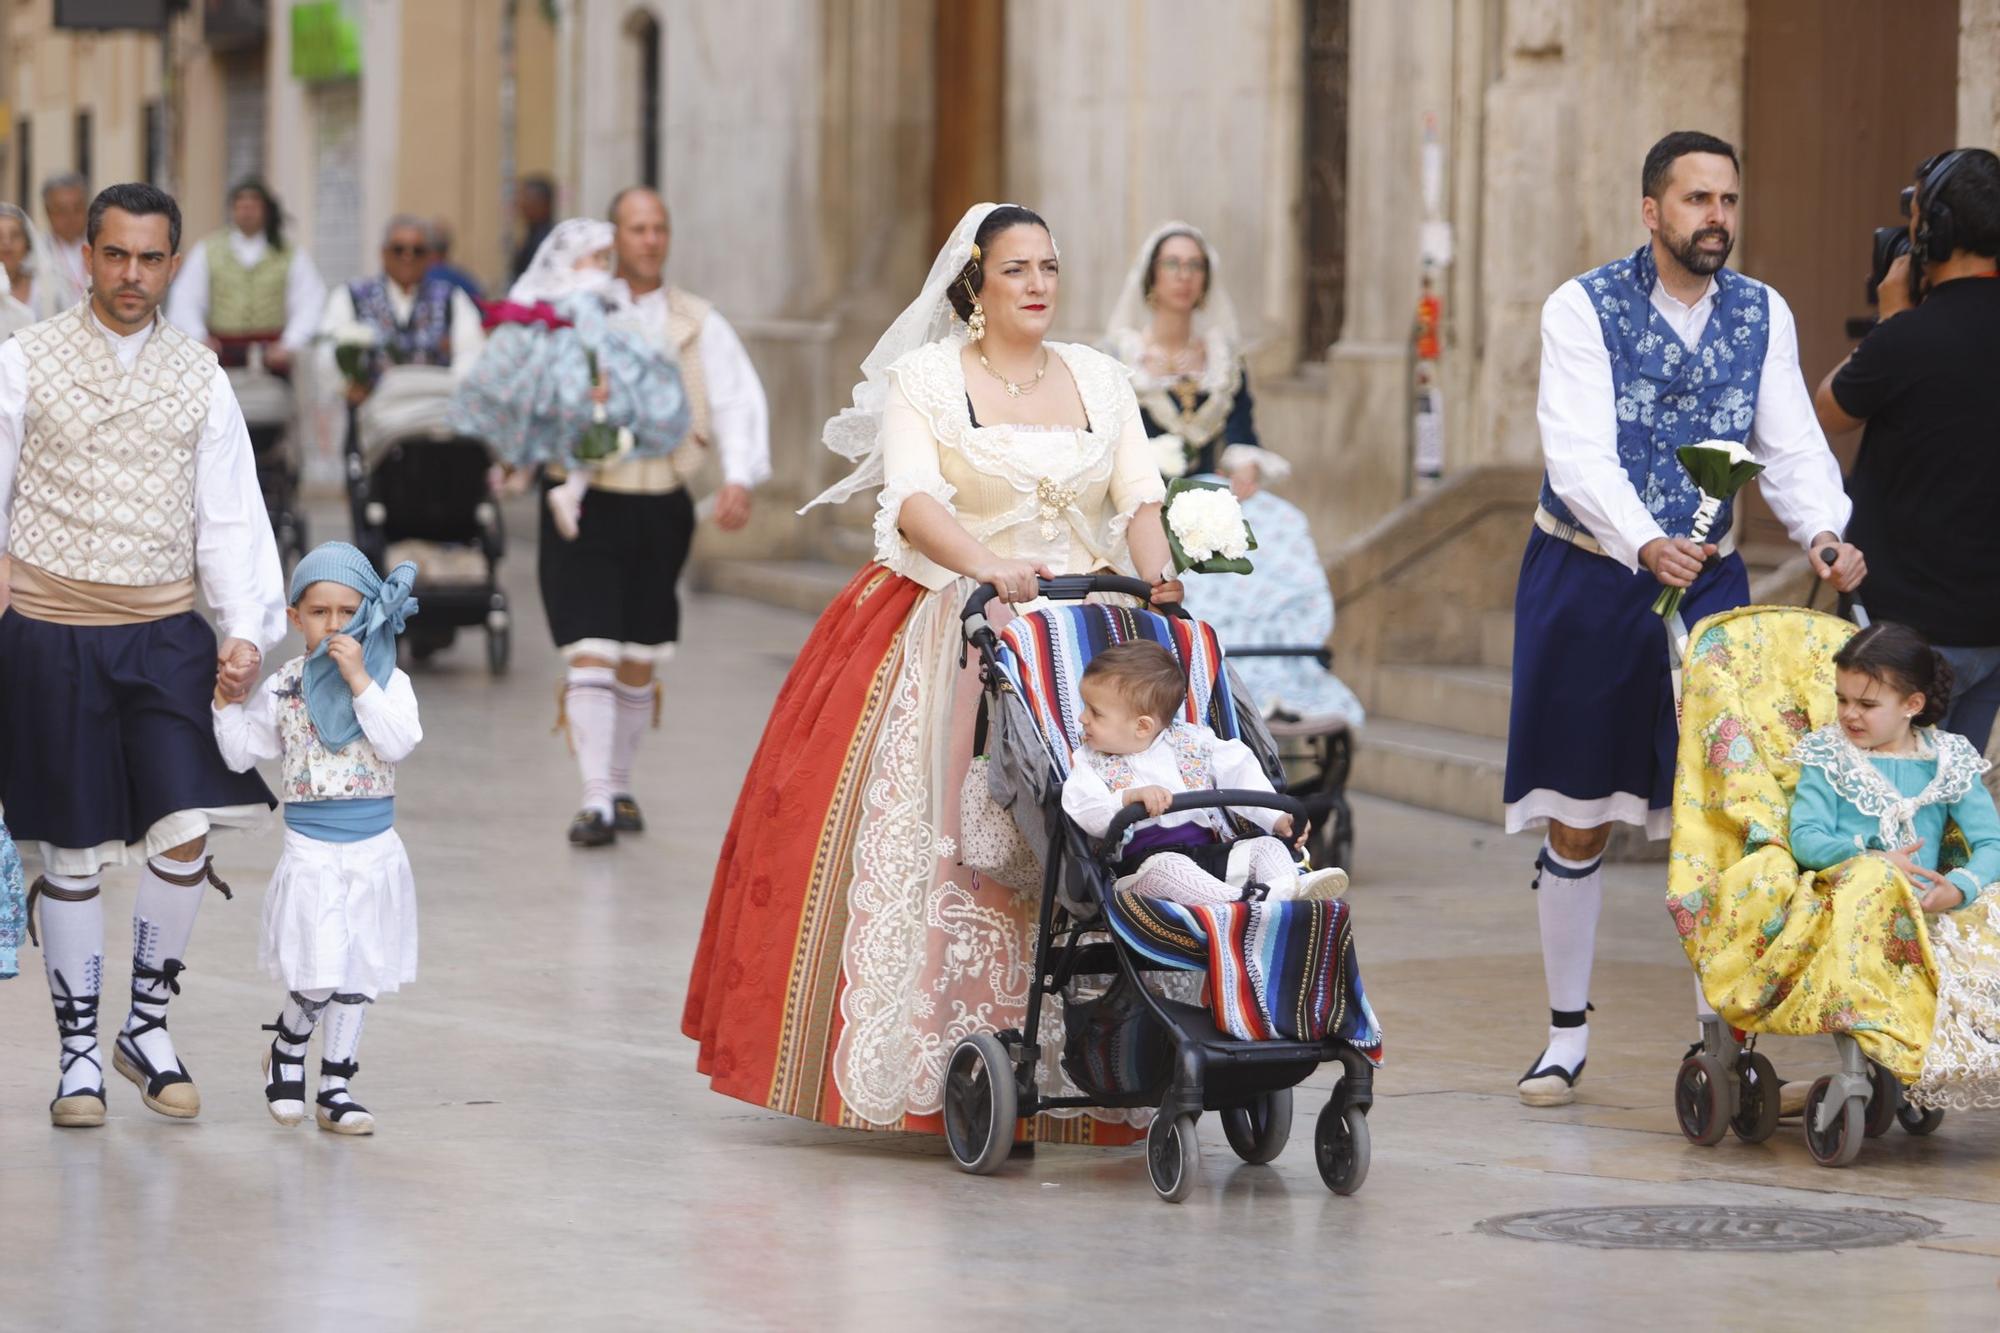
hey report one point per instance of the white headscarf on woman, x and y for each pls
(553, 273)
(1214, 318)
(855, 432)
(15, 313)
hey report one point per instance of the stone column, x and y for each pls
(1979, 73)
(1400, 70)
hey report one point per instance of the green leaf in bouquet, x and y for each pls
(1714, 472)
(352, 361)
(598, 441)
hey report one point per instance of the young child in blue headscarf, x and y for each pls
(340, 917)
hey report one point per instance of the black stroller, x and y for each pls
(267, 403)
(419, 491)
(1127, 1045)
(1319, 755)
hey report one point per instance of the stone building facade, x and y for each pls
(814, 151)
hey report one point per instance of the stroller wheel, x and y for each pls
(979, 1102)
(1259, 1128)
(1918, 1122)
(1701, 1100)
(1756, 1117)
(1173, 1157)
(1884, 1096)
(499, 647)
(1340, 1146)
(1840, 1142)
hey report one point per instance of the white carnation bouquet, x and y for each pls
(352, 342)
(601, 441)
(1718, 469)
(1206, 530)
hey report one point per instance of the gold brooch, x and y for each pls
(1054, 500)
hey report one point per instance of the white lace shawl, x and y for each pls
(1858, 782)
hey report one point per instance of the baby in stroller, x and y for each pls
(1136, 751)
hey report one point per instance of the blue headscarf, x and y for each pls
(386, 605)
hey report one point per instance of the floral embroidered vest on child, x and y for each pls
(312, 772)
(1194, 755)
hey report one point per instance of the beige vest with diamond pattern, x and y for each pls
(105, 488)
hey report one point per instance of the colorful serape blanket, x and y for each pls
(1044, 654)
(1277, 971)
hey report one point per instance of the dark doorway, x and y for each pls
(1842, 99)
(968, 164)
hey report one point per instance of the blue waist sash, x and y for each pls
(342, 821)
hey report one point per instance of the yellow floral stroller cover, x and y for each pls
(1796, 953)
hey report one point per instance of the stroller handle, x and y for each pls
(1066, 588)
(1319, 653)
(1210, 800)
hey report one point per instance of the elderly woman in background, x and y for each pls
(1285, 602)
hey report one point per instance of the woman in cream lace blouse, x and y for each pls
(845, 950)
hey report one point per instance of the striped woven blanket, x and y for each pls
(1277, 971)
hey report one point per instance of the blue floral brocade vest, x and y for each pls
(424, 341)
(1669, 395)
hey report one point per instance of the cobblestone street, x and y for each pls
(547, 1155)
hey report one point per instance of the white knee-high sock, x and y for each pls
(1264, 861)
(1568, 898)
(1178, 879)
(163, 916)
(635, 711)
(344, 1017)
(71, 917)
(591, 703)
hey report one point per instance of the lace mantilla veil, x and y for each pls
(15, 314)
(855, 432)
(552, 274)
(1130, 317)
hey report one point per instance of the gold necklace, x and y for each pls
(1017, 390)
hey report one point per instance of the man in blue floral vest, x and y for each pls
(1663, 348)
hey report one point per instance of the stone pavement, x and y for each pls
(547, 1156)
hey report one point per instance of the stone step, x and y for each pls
(1432, 767)
(1496, 639)
(1458, 698)
(796, 585)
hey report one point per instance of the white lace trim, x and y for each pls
(933, 379)
(932, 952)
(1858, 782)
(892, 549)
(1961, 1069)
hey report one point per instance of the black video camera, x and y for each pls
(1889, 242)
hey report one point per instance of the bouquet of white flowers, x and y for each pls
(601, 442)
(352, 342)
(1718, 469)
(1206, 530)
(1170, 455)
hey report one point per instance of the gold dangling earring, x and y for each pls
(977, 323)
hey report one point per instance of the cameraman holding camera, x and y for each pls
(1925, 382)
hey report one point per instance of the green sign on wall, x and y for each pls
(326, 45)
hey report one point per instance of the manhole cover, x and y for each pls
(1710, 1228)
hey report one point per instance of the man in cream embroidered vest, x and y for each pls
(610, 593)
(125, 477)
(1663, 348)
(244, 286)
